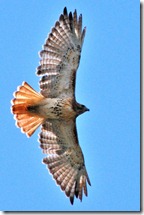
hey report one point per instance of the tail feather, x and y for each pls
(18, 101)
(20, 108)
(29, 126)
(26, 92)
(22, 95)
(26, 96)
(21, 116)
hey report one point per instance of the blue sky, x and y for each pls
(108, 83)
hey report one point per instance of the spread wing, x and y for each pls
(65, 160)
(60, 56)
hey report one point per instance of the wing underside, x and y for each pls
(65, 160)
(61, 55)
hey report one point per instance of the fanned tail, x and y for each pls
(26, 96)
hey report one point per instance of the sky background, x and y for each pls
(108, 83)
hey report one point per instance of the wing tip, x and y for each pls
(71, 200)
(65, 13)
(70, 16)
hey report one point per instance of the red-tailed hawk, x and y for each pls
(55, 107)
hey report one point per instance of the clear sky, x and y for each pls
(108, 83)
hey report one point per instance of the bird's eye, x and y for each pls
(81, 107)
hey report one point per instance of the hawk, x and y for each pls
(55, 107)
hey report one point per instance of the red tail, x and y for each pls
(26, 96)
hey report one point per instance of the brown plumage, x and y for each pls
(55, 107)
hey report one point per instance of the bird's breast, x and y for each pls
(54, 108)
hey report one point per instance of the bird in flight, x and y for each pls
(55, 108)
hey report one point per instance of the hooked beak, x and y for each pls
(86, 109)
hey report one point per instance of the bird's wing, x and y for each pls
(65, 159)
(60, 56)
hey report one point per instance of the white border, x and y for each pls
(142, 148)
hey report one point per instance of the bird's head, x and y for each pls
(79, 108)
